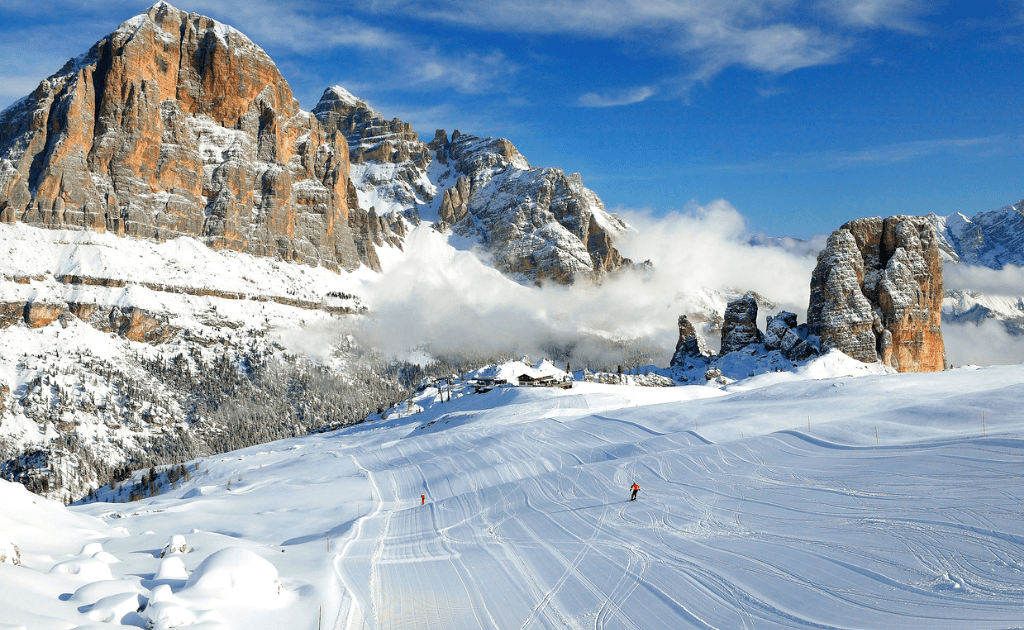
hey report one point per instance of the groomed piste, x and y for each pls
(833, 497)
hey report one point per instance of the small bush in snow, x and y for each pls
(9, 552)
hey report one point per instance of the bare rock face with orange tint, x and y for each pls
(876, 293)
(175, 125)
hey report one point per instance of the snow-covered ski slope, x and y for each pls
(769, 504)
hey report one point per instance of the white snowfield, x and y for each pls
(784, 501)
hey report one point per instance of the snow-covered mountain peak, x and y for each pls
(541, 224)
(993, 239)
(482, 156)
(162, 11)
(337, 95)
(538, 224)
(162, 5)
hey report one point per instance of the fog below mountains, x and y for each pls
(459, 305)
(986, 343)
(448, 301)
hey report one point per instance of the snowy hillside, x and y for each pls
(120, 349)
(782, 501)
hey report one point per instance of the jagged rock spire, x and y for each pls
(876, 293)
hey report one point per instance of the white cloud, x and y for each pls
(709, 247)
(771, 36)
(987, 343)
(880, 154)
(900, 15)
(775, 48)
(764, 35)
(1008, 281)
(902, 151)
(460, 305)
(625, 97)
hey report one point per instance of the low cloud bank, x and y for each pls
(452, 303)
(449, 302)
(1006, 281)
(987, 343)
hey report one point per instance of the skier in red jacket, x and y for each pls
(423, 499)
(635, 488)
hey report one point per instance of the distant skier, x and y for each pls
(635, 488)
(423, 499)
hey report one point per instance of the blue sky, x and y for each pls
(801, 114)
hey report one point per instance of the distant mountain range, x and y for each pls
(992, 239)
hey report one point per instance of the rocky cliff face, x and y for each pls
(176, 125)
(690, 345)
(876, 293)
(745, 350)
(783, 334)
(538, 223)
(389, 163)
(740, 328)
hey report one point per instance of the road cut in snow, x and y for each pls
(878, 501)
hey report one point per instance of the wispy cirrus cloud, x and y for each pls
(771, 36)
(902, 151)
(775, 48)
(624, 97)
(874, 155)
(407, 60)
(899, 15)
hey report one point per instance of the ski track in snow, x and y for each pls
(530, 527)
(527, 522)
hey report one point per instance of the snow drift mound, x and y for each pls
(236, 573)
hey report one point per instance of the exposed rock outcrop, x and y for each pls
(782, 333)
(174, 125)
(9, 551)
(876, 293)
(540, 224)
(690, 344)
(130, 322)
(745, 350)
(389, 163)
(740, 327)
